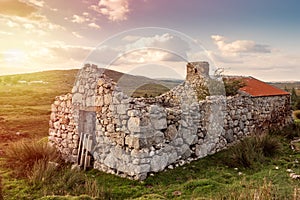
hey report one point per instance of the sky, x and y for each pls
(154, 38)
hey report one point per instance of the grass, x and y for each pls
(208, 178)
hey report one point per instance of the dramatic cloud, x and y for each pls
(115, 10)
(239, 46)
(16, 8)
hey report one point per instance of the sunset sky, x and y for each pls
(258, 37)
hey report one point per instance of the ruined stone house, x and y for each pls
(133, 137)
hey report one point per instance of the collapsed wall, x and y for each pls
(133, 137)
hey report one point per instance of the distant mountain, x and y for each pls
(286, 84)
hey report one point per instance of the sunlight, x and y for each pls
(12, 56)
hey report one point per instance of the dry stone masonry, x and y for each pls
(134, 137)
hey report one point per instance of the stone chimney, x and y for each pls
(197, 77)
(197, 71)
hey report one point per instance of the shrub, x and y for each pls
(253, 150)
(23, 156)
(232, 86)
(270, 145)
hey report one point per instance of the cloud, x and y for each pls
(16, 8)
(57, 52)
(139, 50)
(78, 19)
(94, 25)
(114, 10)
(239, 46)
(36, 22)
(143, 56)
(5, 33)
(12, 24)
(77, 35)
(38, 3)
(28, 26)
(165, 42)
(84, 18)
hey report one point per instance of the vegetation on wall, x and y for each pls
(232, 86)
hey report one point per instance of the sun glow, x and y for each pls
(14, 56)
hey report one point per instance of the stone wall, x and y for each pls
(133, 137)
(63, 131)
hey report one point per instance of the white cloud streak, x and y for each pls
(239, 46)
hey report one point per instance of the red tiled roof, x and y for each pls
(257, 88)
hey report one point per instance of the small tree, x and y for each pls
(294, 99)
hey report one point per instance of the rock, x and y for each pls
(158, 124)
(134, 124)
(110, 128)
(107, 99)
(171, 132)
(229, 136)
(121, 109)
(77, 98)
(158, 163)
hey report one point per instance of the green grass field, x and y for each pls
(24, 114)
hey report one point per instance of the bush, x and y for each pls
(23, 156)
(232, 86)
(252, 151)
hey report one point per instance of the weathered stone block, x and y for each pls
(158, 163)
(171, 132)
(158, 124)
(134, 124)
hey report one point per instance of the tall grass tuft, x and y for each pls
(42, 171)
(23, 156)
(252, 151)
